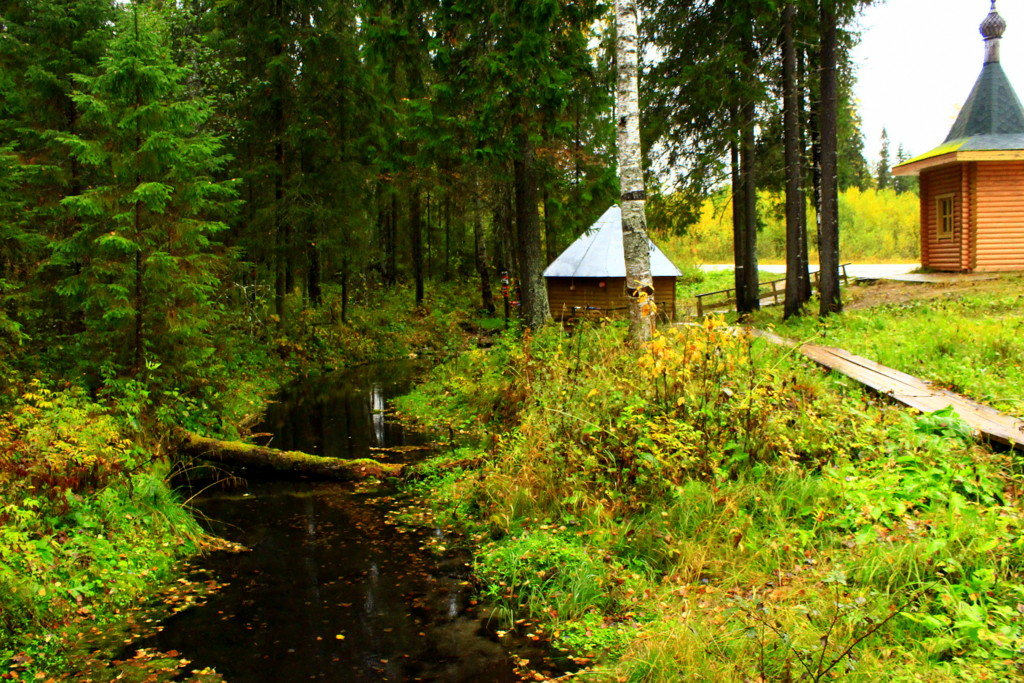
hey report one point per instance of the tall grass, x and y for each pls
(709, 508)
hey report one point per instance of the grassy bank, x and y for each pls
(965, 337)
(88, 525)
(712, 508)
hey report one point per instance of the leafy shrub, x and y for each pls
(55, 443)
(87, 522)
(672, 505)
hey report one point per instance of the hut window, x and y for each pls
(944, 216)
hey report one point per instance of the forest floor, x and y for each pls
(709, 504)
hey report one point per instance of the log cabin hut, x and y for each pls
(972, 186)
(589, 278)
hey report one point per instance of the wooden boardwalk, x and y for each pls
(916, 393)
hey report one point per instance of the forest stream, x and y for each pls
(330, 590)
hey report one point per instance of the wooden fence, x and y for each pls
(770, 293)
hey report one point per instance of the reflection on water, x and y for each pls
(342, 415)
(377, 414)
(329, 591)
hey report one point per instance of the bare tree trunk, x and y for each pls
(392, 257)
(828, 238)
(794, 172)
(750, 301)
(480, 253)
(807, 163)
(738, 207)
(344, 290)
(639, 283)
(427, 229)
(280, 238)
(531, 279)
(313, 275)
(416, 235)
(281, 229)
(447, 238)
(550, 236)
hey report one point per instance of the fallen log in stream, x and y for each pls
(274, 460)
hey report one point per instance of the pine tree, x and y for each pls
(884, 172)
(13, 239)
(147, 272)
(903, 183)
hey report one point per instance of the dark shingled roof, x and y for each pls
(992, 119)
(992, 110)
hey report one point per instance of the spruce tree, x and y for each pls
(903, 183)
(147, 272)
(885, 180)
(13, 238)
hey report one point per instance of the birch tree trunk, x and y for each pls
(639, 284)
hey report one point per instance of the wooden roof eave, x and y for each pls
(912, 168)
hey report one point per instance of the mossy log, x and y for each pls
(285, 462)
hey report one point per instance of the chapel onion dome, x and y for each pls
(994, 25)
(992, 30)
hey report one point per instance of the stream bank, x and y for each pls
(330, 590)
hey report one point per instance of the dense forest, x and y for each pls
(202, 200)
(169, 164)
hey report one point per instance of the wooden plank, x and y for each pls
(909, 390)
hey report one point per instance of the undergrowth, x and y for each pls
(87, 523)
(711, 508)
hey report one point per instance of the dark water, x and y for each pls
(325, 564)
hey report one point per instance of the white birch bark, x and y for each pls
(639, 284)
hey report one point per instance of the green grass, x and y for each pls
(968, 340)
(714, 509)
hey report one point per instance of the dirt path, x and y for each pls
(884, 292)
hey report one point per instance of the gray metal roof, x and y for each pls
(598, 253)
